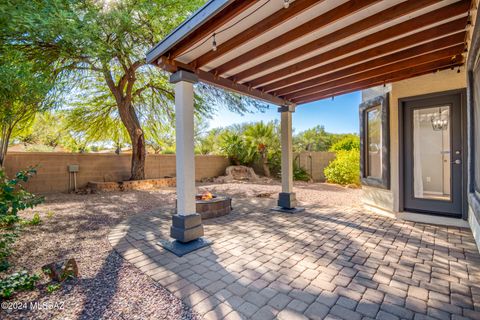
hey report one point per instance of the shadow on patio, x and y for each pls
(330, 261)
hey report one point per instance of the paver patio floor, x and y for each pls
(329, 262)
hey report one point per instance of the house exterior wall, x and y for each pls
(389, 200)
(52, 175)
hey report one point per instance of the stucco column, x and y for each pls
(286, 199)
(286, 141)
(186, 224)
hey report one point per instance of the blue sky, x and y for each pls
(337, 116)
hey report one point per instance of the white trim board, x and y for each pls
(422, 218)
(432, 219)
(475, 227)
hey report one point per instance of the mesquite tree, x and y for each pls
(23, 93)
(102, 45)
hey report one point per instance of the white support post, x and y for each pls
(287, 155)
(186, 224)
(286, 199)
(185, 158)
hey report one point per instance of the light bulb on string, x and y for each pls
(214, 43)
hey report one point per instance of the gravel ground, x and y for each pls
(108, 287)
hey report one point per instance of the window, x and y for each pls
(476, 126)
(374, 142)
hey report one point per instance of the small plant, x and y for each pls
(300, 174)
(6, 241)
(19, 281)
(36, 220)
(50, 214)
(53, 287)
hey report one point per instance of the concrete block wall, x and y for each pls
(314, 163)
(53, 176)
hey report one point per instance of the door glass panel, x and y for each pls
(431, 153)
(374, 141)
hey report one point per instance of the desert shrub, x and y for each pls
(300, 174)
(350, 142)
(345, 169)
(13, 199)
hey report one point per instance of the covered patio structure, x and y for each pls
(290, 53)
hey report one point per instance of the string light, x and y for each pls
(286, 4)
(225, 29)
(214, 43)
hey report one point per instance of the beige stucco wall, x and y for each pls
(434, 82)
(52, 175)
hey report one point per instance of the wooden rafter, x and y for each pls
(172, 66)
(345, 78)
(456, 40)
(321, 21)
(267, 24)
(403, 8)
(233, 10)
(392, 46)
(382, 79)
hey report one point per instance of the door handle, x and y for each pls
(458, 161)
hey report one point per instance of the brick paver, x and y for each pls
(324, 263)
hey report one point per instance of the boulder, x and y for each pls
(241, 173)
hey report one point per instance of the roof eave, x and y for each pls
(195, 21)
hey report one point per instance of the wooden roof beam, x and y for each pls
(401, 9)
(457, 40)
(383, 79)
(401, 65)
(172, 66)
(233, 10)
(310, 26)
(279, 17)
(392, 46)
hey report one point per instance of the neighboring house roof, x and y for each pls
(313, 49)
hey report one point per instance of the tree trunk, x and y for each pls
(266, 168)
(5, 140)
(137, 137)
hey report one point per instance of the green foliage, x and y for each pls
(99, 47)
(35, 221)
(300, 174)
(13, 199)
(232, 145)
(345, 169)
(208, 143)
(315, 139)
(249, 142)
(7, 238)
(23, 93)
(349, 142)
(19, 281)
(53, 287)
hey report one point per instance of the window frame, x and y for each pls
(382, 102)
(473, 62)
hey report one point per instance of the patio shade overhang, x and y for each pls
(314, 49)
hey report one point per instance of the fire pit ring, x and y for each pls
(215, 207)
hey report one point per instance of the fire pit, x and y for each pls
(212, 206)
